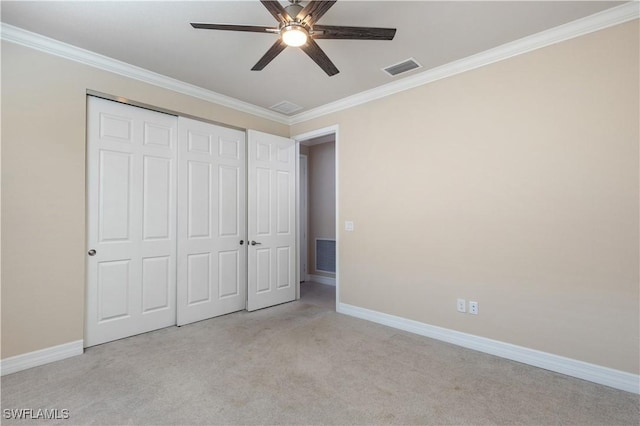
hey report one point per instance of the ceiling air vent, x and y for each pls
(286, 107)
(404, 66)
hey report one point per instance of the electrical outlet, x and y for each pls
(473, 308)
(462, 305)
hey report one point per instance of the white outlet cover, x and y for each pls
(461, 305)
(473, 308)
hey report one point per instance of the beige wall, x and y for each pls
(43, 187)
(515, 185)
(322, 199)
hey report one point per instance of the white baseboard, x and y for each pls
(594, 373)
(43, 356)
(321, 280)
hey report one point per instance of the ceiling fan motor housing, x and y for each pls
(293, 10)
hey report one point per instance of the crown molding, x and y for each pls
(607, 18)
(598, 21)
(39, 42)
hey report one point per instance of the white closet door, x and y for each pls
(271, 221)
(212, 266)
(131, 221)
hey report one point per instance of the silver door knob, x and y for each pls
(91, 252)
(253, 243)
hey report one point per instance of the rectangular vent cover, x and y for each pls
(326, 255)
(286, 107)
(404, 66)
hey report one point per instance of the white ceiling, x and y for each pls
(156, 35)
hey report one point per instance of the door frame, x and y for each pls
(334, 129)
(303, 217)
(127, 101)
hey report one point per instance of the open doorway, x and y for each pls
(318, 207)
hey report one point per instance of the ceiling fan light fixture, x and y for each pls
(294, 35)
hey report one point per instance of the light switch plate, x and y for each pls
(348, 225)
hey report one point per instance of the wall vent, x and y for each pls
(326, 255)
(286, 107)
(402, 67)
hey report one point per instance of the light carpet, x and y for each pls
(302, 363)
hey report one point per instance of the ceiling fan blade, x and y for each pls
(314, 10)
(273, 51)
(353, 33)
(312, 49)
(276, 9)
(227, 27)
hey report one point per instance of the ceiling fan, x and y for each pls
(297, 28)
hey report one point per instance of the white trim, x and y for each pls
(302, 215)
(598, 21)
(86, 57)
(321, 279)
(337, 157)
(41, 357)
(317, 133)
(583, 370)
(299, 274)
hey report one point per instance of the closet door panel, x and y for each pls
(271, 220)
(211, 221)
(131, 220)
